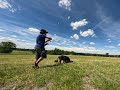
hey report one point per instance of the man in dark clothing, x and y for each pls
(40, 46)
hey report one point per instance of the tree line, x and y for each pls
(8, 47)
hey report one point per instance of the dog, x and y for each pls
(65, 59)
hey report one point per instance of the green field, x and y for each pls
(85, 73)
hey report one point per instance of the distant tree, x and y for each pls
(107, 54)
(57, 52)
(7, 47)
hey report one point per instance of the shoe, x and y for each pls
(35, 66)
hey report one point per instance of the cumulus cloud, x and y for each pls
(77, 24)
(92, 43)
(61, 41)
(87, 33)
(65, 4)
(4, 4)
(34, 30)
(75, 36)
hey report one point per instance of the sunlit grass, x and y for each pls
(85, 73)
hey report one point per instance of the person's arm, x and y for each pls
(48, 39)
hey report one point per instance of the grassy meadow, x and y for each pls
(85, 73)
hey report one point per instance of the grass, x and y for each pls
(16, 52)
(85, 73)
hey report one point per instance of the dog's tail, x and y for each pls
(70, 61)
(55, 60)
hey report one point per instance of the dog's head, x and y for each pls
(56, 61)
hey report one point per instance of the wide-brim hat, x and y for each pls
(43, 31)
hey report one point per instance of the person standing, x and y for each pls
(40, 51)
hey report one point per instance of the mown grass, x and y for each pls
(85, 73)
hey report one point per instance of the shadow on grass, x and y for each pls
(55, 65)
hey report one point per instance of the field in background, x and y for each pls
(85, 73)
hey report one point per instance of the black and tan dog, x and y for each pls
(65, 59)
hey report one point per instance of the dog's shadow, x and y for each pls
(54, 65)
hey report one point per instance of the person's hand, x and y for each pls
(46, 44)
(49, 39)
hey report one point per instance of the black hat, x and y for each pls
(43, 31)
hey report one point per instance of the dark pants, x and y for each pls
(40, 52)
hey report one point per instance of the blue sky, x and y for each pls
(88, 26)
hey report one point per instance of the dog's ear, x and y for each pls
(56, 61)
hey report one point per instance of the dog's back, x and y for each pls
(65, 59)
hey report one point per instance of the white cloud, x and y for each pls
(4, 4)
(14, 36)
(92, 43)
(109, 40)
(77, 24)
(76, 49)
(69, 17)
(87, 33)
(110, 47)
(13, 10)
(1, 30)
(65, 4)
(71, 36)
(83, 43)
(118, 45)
(19, 42)
(17, 32)
(75, 36)
(34, 30)
(30, 42)
(59, 40)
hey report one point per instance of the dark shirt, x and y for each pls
(40, 40)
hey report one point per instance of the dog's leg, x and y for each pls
(59, 60)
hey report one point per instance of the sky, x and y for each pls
(83, 26)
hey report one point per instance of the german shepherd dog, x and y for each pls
(65, 59)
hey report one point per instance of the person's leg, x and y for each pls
(37, 62)
(37, 53)
(36, 58)
(42, 54)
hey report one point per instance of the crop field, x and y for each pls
(85, 73)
